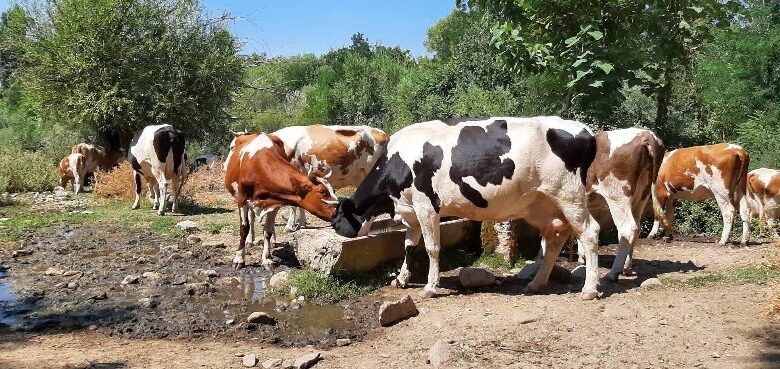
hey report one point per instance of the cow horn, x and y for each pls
(330, 202)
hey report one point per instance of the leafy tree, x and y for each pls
(13, 27)
(113, 67)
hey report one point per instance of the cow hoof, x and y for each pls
(667, 239)
(629, 272)
(397, 284)
(290, 229)
(612, 277)
(238, 265)
(590, 295)
(532, 290)
(268, 264)
(427, 292)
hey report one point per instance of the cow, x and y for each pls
(351, 152)
(261, 179)
(488, 169)
(157, 155)
(763, 196)
(699, 173)
(98, 157)
(72, 169)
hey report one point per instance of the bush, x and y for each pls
(117, 183)
(22, 171)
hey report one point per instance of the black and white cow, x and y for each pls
(493, 169)
(157, 154)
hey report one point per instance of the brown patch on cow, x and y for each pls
(627, 163)
(104, 159)
(764, 190)
(333, 146)
(64, 165)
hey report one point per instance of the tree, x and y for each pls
(113, 67)
(13, 26)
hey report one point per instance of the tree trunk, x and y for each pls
(663, 99)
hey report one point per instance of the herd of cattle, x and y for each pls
(555, 174)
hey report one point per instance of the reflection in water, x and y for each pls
(7, 300)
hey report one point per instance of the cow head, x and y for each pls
(320, 198)
(346, 221)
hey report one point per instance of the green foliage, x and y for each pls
(25, 171)
(115, 66)
(315, 286)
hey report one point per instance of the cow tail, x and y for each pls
(741, 185)
(657, 150)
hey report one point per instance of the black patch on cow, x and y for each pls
(455, 121)
(166, 139)
(575, 151)
(425, 169)
(388, 178)
(477, 155)
(133, 162)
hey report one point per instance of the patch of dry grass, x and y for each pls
(117, 183)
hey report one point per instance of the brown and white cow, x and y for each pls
(763, 196)
(699, 173)
(261, 179)
(90, 157)
(619, 186)
(157, 154)
(351, 151)
(72, 169)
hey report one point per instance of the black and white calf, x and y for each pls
(494, 169)
(157, 154)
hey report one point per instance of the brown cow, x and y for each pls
(72, 169)
(351, 151)
(262, 180)
(763, 196)
(699, 173)
(97, 157)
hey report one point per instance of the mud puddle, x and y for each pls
(71, 277)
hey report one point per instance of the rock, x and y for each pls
(60, 192)
(651, 282)
(578, 273)
(278, 280)
(529, 319)
(230, 321)
(98, 296)
(149, 302)
(343, 342)
(70, 273)
(72, 285)
(130, 279)
(260, 317)
(288, 363)
(142, 260)
(193, 239)
(227, 282)
(4, 219)
(188, 225)
(476, 277)
(152, 276)
(198, 288)
(441, 353)
(249, 360)
(272, 363)
(22, 252)
(53, 271)
(307, 361)
(529, 271)
(87, 212)
(394, 311)
(208, 273)
(214, 244)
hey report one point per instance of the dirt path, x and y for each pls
(713, 326)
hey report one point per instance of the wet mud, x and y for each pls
(70, 277)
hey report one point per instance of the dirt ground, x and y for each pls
(80, 315)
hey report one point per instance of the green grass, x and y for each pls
(750, 275)
(13, 229)
(215, 228)
(495, 261)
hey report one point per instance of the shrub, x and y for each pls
(25, 171)
(117, 183)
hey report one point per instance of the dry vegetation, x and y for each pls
(117, 183)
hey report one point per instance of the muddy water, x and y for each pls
(182, 302)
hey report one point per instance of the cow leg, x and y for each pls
(291, 220)
(744, 214)
(250, 238)
(269, 219)
(554, 244)
(668, 221)
(431, 232)
(627, 229)
(654, 231)
(175, 189)
(413, 234)
(301, 222)
(78, 181)
(137, 202)
(727, 211)
(587, 230)
(162, 185)
(153, 192)
(243, 212)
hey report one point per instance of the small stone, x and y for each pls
(188, 225)
(198, 288)
(152, 276)
(193, 239)
(72, 285)
(249, 360)
(272, 363)
(529, 271)
(130, 279)
(394, 311)
(662, 322)
(230, 321)
(54, 271)
(651, 282)
(441, 353)
(278, 280)
(578, 273)
(476, 277)
(87, 212)
(343, 342)
(99, 296)
(4, 219)
(307, 361)
(214, 244)
(227, 282)
(715, 355)
(288, 363)
(142, 260)
(208, 273)
(260, 317)
(301, 298)
(148, 302)
(529, 319)
(22, 252)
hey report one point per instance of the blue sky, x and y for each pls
(288, 27)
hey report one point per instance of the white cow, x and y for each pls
(157, 154)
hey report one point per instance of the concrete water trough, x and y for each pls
(323, 250)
